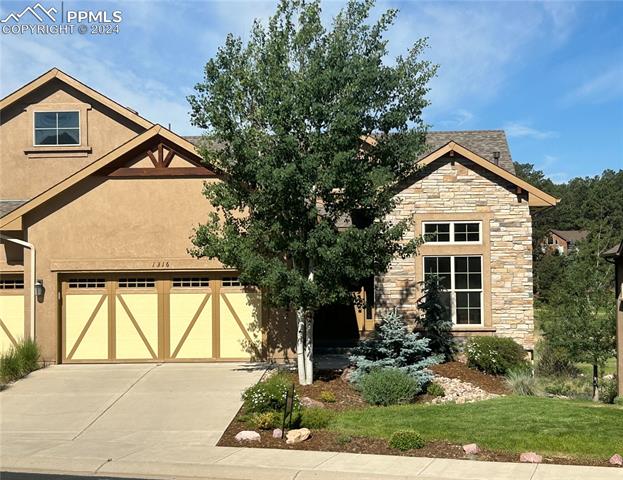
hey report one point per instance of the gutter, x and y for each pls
(33, 277)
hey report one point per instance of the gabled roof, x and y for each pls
(7, 206)
(536, 197)
(571, 235)
(614, 252)
(13, 219)
(57, 74)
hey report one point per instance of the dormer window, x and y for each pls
(57, 128)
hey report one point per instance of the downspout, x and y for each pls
(33, 278)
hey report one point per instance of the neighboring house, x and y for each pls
(615, 255)
(563, 241)
(108, 201)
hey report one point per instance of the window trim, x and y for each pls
(453, 290)
(452, 223)
(34, 129)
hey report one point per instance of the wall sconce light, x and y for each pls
(39, 288)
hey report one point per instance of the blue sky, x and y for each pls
(550, 74)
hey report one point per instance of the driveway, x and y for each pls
(94, 411)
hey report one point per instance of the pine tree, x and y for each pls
(436, 323)
(392, 345)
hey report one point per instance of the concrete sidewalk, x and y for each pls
(168, 460)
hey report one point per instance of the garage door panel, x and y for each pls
(136, 326)
(240, 320)
(86, 327)
(11, 321)
(190, 325)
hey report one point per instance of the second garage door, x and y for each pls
(108, 318)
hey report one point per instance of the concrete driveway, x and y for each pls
(76, 412)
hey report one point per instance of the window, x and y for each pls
(86, 283)
(57, 128)
(231, 282)
(452, 232)
(137, 283)
(191, 282)
(11, 284)
(462, 278)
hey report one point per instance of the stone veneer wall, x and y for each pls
(460, 187)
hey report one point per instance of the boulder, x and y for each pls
(248, 436)
(616, 459)
(297, 435)
(277, 433)
(530, 457)
(471, 449)
(311, 403)
(346, 374)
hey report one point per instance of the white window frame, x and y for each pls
(452, 291)
(452, 224)
(34, 130)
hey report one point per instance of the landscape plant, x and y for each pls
(435, 322)
(553, 361)
(266, 420)
(435, 390)
(268, 395)
(495, 355)
(19, 361)
(393, 345)
(405, 440)
(315, 418)
(608, 390)
(523, 382)
(388, 386)
(310, 125)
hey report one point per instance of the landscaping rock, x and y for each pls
(460, 392)
(346, 374)
(471, 449)
(248, 436)
(311, 403)
(530, 457)
(298, 435)
(277, 433)
(616, 459)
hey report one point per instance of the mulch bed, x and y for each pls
(489, 383)
(347, 397)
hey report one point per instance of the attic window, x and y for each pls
(57, 128)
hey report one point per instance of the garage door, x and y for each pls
(143, 318)
(11, 311)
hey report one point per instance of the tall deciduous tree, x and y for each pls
(288, 110)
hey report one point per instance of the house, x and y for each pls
(98, 204)
(615, 255)
(563, 241)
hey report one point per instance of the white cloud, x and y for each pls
(457, 119)
(550, 165)
(606, 85)
(518, 130)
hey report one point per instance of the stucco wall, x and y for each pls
(25, 170)
(458, 189)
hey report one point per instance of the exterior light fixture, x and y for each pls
(39, 288)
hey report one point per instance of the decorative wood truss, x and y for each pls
(161, 157)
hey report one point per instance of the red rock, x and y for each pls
(616, 459)
(471, 449)
(530, 457)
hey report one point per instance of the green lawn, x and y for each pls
(510, 424)
(610, 368)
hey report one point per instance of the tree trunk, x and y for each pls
(300, 344)
(309, 348)
(595, 384)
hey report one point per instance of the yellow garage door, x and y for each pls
(159, 317)
(11, 312)
(240, 320)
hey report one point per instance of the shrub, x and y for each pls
(388, 386)
(266, 420)
(435, 390)
(553, 361)
(436, 322)
(392, 345)
(618, 401)
(406, 440)
(522, 382)
(495, 355)
(608, 390)
(10, 369)
(315, 418)
(327, 396)
(28, 355)
(269, 395)
(568, 387)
